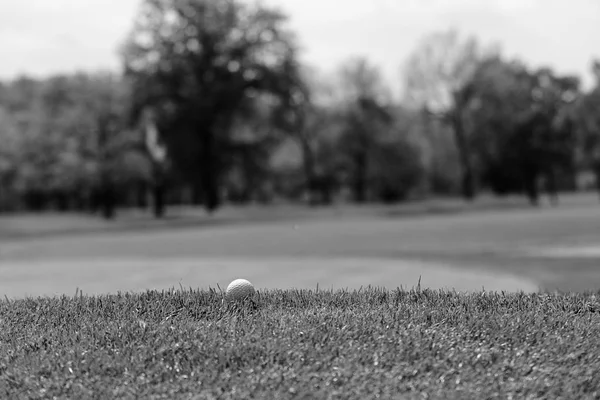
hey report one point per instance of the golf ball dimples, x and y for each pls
(239, 289)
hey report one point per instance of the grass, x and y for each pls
(466, 243)
(39, 225)
(361, 344)
(301, 344)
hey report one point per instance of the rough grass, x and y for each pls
(370, 343)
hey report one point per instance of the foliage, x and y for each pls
(587, 124)
(521, 124)
(366, 117)
(308, 116)
(9, 157)
(434, 77)
(68, 135)
(215, 104)
(397, 170)
(198, 64)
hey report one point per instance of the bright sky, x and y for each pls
(40, 37)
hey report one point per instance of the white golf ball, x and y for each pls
(239, 289)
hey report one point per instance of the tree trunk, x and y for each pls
(326, 189)
(107, 200)
(141, 194)
(250, 183)
(209, 173)
(531, 187)
(597, 176)
(360, 178)
(196, 187)
(62, 201)
(468, 176)
(35, 201)
(158, 205)
(552, 186)
(78, 200)
(94, 201)
(308, 162)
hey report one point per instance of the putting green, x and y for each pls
(106, 275)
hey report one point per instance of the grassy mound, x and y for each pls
(301, 345)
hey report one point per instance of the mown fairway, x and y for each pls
(302, 345)
(496, 250)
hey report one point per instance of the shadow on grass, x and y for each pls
(453, 209)
(46, 225)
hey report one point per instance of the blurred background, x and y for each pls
(170, 109)
(111, 104)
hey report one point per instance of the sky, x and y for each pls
(43, 37)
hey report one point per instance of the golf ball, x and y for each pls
(239, 289)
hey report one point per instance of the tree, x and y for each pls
(596, 71)
(587, 122)
(21, 123)
(85, 114)
(69, 140)
(252, 139)
(520, 125)
(555, 97)
(104, 139)
(199, 64)
(500, 93)
(21, 94)
(434, 76)
(42, 151)
(307, 115)
(365, 115)
(9, 157)
(396, 167)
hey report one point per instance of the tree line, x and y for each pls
(214, 105)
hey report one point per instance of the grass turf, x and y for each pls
(39, 225)
(488, 241)
(302, 344)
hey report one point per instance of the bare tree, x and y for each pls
(364, 110)
(435, 76)
(307, 116)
